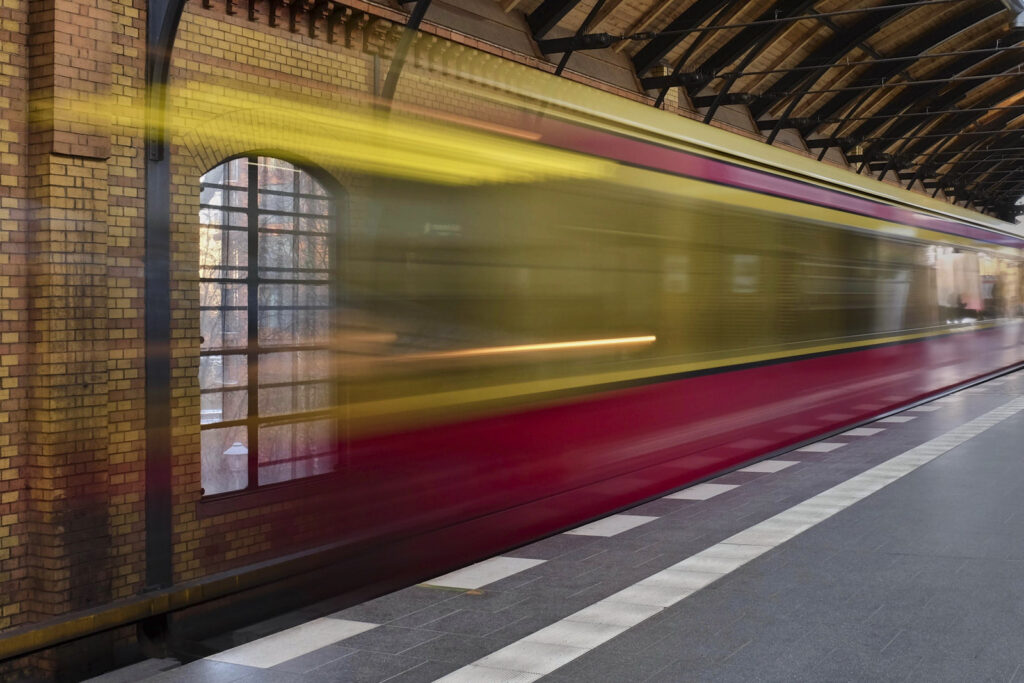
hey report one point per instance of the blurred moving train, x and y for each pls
(512, 358)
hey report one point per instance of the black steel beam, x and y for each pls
(402, 50)
(579, 33)
(547, 15)
(694, 15)
(586, 41)
(703, 101)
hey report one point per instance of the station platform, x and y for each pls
(893, 551)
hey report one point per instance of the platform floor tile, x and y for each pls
(611, 525)
(291, 643)
(701, 491)
(817, 447)
(484, 573)
(769, 466)
(864, 431)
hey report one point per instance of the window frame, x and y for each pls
(253, 277)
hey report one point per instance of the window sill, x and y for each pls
(235, 501)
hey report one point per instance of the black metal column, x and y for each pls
(162, 19)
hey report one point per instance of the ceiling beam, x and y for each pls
(547, 15)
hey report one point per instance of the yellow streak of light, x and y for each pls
(525, 348)
(346, 137)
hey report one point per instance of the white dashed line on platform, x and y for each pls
(897, 418)
(291, 643)
(701, 491)
(864, 431)
(482, 573)
(611, 525)
(820, 447)
(769, 466)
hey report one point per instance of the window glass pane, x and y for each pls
(276, 174)
(222, 253)
(320, 207)
(222, 294)
(318, 224)
(223, 406)
(223, 329)
(293, 327)
(295, 295)
(294, 398)
(300, 449)
(216, 372)
(281, 253)
(272, 201)
(294, 366)
(223, 316)
(225, 464)
(211, 195)
(273, 221)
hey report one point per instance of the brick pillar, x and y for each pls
(67, 426)
(15, 586)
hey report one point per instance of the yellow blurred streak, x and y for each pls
(353, 137)
(525, 348)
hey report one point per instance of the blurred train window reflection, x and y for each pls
(468, 294)
(266, 268)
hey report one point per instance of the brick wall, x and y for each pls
(15, 583)
(71, 385)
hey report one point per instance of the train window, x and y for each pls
(266, 259)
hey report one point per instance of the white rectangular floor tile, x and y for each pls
(897, 418)
(291, 643)
(924, 409)
(864, 431)
(821, 447)
(701, 491)
(586, 634)
(611, 525)
(769, 466)
(614, 613)
(532, 657)
(482, 573)
(474, 673)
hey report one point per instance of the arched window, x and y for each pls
(266, 277)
